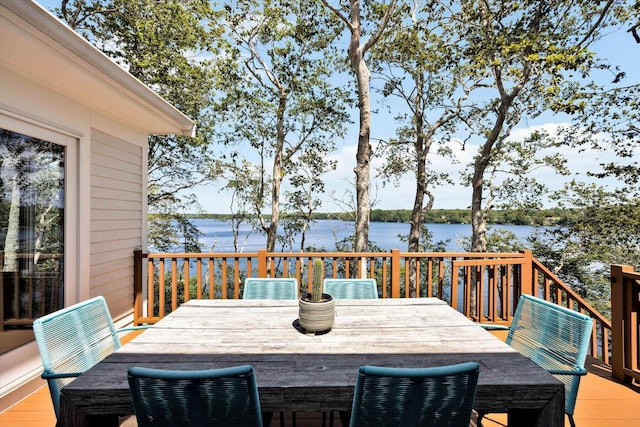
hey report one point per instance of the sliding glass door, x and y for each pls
(32, 189)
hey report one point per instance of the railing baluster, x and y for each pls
(212, 283)
(185, 281)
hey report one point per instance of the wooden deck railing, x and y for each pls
(486, 285)
(625, 318)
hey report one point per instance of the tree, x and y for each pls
(245, 187)
(604, 225)
(352, 16)
(521, 54)
(165, 45)
(419, 69)
(302, 202)
(603, 230)
(277, 97)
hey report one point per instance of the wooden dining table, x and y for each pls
(304, 372)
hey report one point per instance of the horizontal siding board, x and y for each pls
(107, 267)
(104, 152)
(113, 235)
(106, 216)
(121, 302)
(109, 251)
(107, 170)
(113, 178)
(110, 205)
(123, 164)
(115, 194)
(110, 145)
(119, 258)
(124, 276)
(119, 224)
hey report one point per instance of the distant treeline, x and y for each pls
(447, 216)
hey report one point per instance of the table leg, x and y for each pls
(552, 415)
(71, 416)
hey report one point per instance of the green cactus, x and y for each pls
(316, 284)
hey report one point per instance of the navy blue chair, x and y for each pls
(430, 397)
(214, 397)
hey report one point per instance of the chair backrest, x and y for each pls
(270, 288)
(215, 397)
(554, 337)
(440, 396)
(351, 288)
(72, 340)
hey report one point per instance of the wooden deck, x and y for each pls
(602, 402)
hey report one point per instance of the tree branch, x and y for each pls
(338, 14)
(381, 26)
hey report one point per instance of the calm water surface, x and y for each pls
(324, 233)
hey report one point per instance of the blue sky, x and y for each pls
(618, 46)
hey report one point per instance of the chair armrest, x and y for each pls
(53, 375)
(576, 371)
(491, 327)
(133, 328)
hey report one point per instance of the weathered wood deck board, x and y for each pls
(298, 372)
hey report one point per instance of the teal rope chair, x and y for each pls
(554, 337)
(439, 396)
(351, 288)
(215, 397)
(74, 339)
(270, 288)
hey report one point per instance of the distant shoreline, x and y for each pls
(441, 216)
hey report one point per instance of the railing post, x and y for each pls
(138, 298)
(395, 273)
(618, 320)
(526, 275)
(262, 263)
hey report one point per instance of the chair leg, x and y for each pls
(480, 417)
(266, 418)
(571, 420)
(345, 418)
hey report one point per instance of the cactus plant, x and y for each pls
(317, 280)
(316, 311)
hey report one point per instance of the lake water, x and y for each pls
(324, 233)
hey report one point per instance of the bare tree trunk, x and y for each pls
(417, 213)
(272, 230)
(478, 215)
(356, 52)
(363, 155)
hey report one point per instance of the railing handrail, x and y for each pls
(574, 295)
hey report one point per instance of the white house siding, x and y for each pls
(55, 86)
(116, 218)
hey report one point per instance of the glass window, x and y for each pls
(32, 177)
